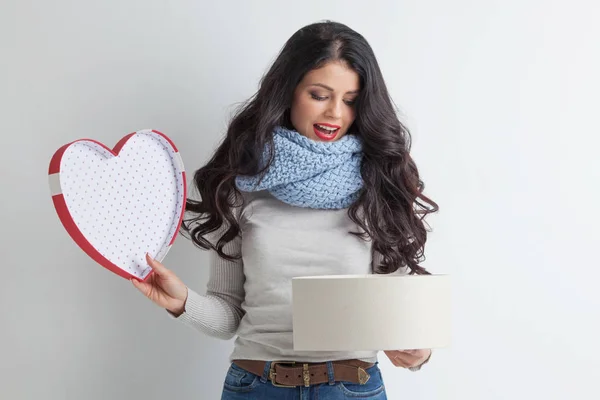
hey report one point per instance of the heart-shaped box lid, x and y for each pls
(119, 204)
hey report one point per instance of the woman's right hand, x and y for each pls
(163, 287)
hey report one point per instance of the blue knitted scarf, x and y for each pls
(307, 173)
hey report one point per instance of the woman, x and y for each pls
(314, 177)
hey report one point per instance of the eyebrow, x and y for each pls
(331, 90)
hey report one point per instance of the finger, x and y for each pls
(395, 358)
(399, 362)
(401, 353)
(409, 351)
(409, 354)
(404, 357)
(155, 265)
(141, 286)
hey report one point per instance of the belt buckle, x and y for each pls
(273, 375)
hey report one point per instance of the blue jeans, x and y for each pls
(243, 385)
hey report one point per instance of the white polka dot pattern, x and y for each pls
(126, 205)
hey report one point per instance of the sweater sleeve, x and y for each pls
(218, 313)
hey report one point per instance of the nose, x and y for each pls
(334, 110)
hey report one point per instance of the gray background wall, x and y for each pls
(501, 96)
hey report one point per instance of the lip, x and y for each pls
(329, 125)
(322, 136)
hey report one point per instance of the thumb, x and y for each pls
(156, 266)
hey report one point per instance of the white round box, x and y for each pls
(371, 312)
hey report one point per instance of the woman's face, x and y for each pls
(323, 104)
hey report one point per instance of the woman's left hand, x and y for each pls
(408, 358)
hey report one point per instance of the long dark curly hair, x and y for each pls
(391, 207)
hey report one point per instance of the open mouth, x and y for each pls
(326, 131)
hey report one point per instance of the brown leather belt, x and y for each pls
(292, 374)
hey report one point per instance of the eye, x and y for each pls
(349, 102)
(318, 98)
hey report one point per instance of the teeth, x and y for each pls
(327, 128)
